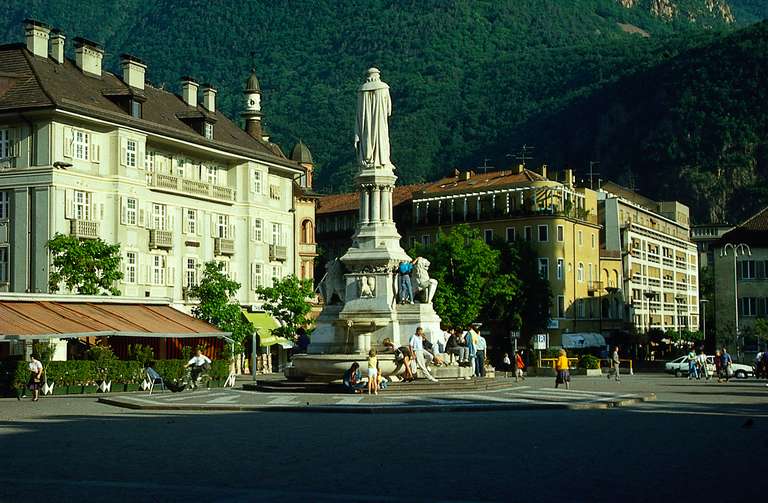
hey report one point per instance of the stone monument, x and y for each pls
(361, 287)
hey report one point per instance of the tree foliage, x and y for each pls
(88, 266)
(218, 306)
(469, 277)
(287, 302)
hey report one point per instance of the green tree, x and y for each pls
(287, 302)
(469, 276)
(761, 331)
(88, 266)
(218, 306)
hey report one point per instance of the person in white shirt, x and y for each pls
(701, 362)
(417, 348)
(199, 363)
(480, 347)
(35, 377)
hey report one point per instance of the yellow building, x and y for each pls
(559, 219)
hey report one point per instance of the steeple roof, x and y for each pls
(301, 154)
(252, 85)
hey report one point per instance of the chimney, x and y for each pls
(465, 175)
(519, 169)
(88, 56)
(544, 170)
(569, 177)
(57, 46)
(37, 37)
(133, 71)
(209, 97)
(189, 91)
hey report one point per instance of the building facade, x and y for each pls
(659, 260)
(741, 279)
(168, 177)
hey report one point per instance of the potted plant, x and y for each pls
(591, 365)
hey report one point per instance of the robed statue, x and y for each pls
(374, 107)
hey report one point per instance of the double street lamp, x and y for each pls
(738, 249)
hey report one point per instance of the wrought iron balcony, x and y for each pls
(160, 239)
(187, 187)
(84, 229)
(223, 246)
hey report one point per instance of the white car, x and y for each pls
(679, 367)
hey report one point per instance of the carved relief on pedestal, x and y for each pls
(366, 286)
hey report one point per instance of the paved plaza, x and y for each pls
(706, 435)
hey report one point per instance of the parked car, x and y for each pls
(679, 367)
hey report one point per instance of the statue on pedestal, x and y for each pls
(422, 281)
(374, 107)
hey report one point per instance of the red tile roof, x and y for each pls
(30, 82)
(480, 181)
(350, 201)
(753, 231)
(22, 317)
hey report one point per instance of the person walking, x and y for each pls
(36, 376)
(563, 370)
(615, 365)
(718, 366)
(692, 370)
(480, 347)
(519, 367)
(726, 362)
(417, 349)
(701, 362)
(507, 364)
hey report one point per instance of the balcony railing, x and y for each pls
(595, 286)
(223, 246)
(84, 229)
(160, 239)
(277, 252)
(194, 188)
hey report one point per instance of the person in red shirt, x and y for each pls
(519, 366)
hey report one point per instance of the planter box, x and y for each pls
(118, 387)
(133, 387)
(75, 389)
(215, 383)
(60, 389)
(91, 388)
(594, 372)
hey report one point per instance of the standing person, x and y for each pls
(701, 361)
(417, 349)
(615, 364)
(480, 347)
(406, 287)
(718, 366)
(36, 376)
(725, 365)
(519, 366)
(373, 372)
(692, 370)
(507, 364)
(470, 338)
(302, 341)
(563, 370)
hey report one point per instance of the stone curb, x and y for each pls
(383, 409)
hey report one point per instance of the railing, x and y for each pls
(277, 252)
(84, 229)
(160, 239)
(595, 286)
(223, 246)
(186, 186)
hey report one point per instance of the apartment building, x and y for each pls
(557, 218)
(169, 177)
(659, 260)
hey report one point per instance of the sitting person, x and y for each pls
(454, 347)
(403, 357)
(353, 379)
(430, 354)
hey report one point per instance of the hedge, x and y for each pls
(85, 372)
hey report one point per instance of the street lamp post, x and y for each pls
(704, 303)
(743, 249)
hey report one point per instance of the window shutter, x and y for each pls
(760, 269)
(171, 218)
(253, 276)
(233, 275)
(184, 221)
(150, 220)
(123, 152)
(13, 138)
(170, 276)
(231, 231)
(140, 154)
(68, 140)
(69, 203)
(101, 211)
(143, 269)
(141, 216)
(739, 270)
(213, 225)
(123, 211)
(94, 211)
(95, 152)
(199, 223)
(251, 181)
(761, 306)
(253, 229)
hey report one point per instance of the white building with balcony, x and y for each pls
(659, 260)
(168, 177)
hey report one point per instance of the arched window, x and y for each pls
(307, 232)
(580, 272)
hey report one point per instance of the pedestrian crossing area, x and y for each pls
(523, 396)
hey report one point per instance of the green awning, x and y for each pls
(264, 323)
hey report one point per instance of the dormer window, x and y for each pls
(208, 130)
(136, 109)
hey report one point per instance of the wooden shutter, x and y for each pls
(150, 219)
(141, 214)
(141, 154)
(251, 180)
(123, 151)
(68, 139)
(170, 276)
(171, 218)
(95, 151)
(69, 203)
(231, 231)
(13, 138)
(213, 225)
(252, 232)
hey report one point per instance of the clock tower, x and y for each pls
(252, 112)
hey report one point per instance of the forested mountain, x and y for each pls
(472, 80)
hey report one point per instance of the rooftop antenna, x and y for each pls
(525, 154)
(592, 173)
(485, 165)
